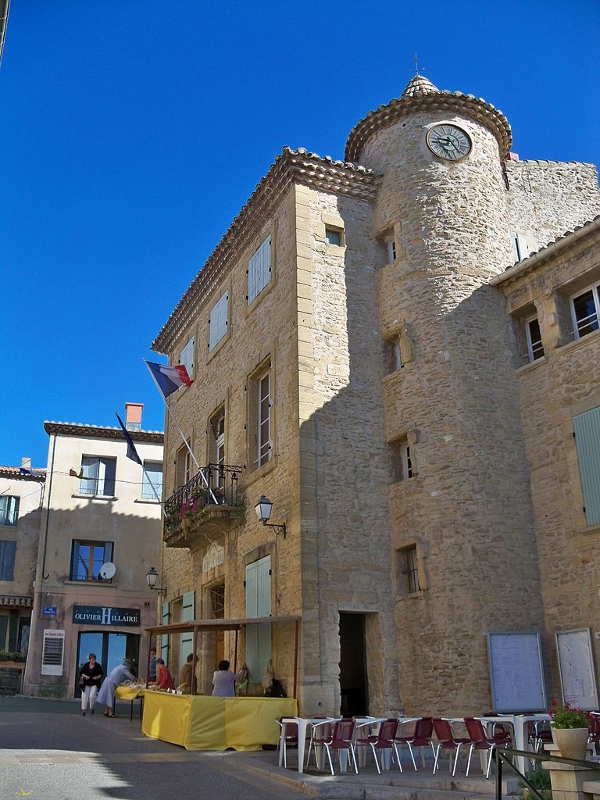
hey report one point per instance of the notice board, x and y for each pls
(516, 671)
(577, 672)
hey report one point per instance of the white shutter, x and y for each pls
(259, 270)
(217, 323)
(53, 652)
(187, 356)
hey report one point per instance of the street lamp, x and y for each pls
(152, 579)
(263, 511)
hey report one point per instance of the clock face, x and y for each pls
(449, 142)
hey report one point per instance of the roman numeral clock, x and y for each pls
(449, 142)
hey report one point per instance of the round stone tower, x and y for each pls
(467, 509)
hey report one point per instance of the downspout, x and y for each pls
(44, 576)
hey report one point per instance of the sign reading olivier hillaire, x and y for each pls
(105, 615)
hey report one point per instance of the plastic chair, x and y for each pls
(315, 729)
(336, 736)
(289, 736)
(382, 740)
(446, 741)
(420, 738)
(594, 728)
(480, 741)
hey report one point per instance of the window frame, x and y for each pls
(392, 252)
(186, 468)
(93, 544)
(411, 569)
(261, 459)
(151, 495)
(5, 522)
(595, 290)
(335, 229)
(531, 353)
(100, 461)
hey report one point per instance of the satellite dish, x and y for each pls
(107, 571)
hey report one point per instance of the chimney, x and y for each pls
(133, 416)
(26, 463)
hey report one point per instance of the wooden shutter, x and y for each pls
(188, 613)
(53, 652)
(258, 604)
(217, 323)
(259, 270)
(8, 550)
(586, 427)
(187, 356)
(164, 639)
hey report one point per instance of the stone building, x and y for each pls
(355, 363)
(99, 536)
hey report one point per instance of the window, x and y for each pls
(87, 558)
(585, 311)
(259, 270)
(264, 419)
(98, 476)
(391, 249)
(535, 347)
(393, 354)
(410, 569)
(333, 236)
(186, 357)
(586, 430)
(8, 551)
(152, 478)
(183, 467)
(403, 466)
(9, 509)
(522, 246)
(217, 442)
(217, 321)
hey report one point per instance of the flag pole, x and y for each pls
(172, 416)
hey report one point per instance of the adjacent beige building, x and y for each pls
(99, 535)
(356, 363)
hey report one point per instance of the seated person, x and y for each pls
(185, 675)
(164, 677)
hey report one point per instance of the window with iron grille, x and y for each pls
(98, 476)
(9, 509)
(87, 558)
(411, 569)
(584, 308)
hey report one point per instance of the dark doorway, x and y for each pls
(353, 665)
(110, 649)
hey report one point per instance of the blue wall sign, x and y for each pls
(49, 611)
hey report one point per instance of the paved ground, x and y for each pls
(48, 750)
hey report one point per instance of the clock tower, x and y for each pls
(466, 508)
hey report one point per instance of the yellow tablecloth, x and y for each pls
(197, 722)
(128, 692)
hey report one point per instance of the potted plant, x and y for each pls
(569, 730)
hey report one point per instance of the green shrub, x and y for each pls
(540, 779)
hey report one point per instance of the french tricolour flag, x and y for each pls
(169, 379)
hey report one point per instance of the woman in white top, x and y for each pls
(224, 681)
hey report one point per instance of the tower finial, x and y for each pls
(419, 86)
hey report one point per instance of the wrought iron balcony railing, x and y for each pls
(213, 485)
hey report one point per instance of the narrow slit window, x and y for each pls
(411, 569)
(535, 346)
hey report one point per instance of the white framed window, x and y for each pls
(391, 249)
(259, 270)
(217, 454)
(98, 476)
(584, 311)
(152, 480)
(183, 467)
(218, 321)
(186, 357)
(263, 387)
(535, 346)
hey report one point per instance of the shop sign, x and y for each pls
(105, 615)
(49, 611)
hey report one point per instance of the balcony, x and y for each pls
(205, 508)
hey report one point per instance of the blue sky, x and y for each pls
(133, 131)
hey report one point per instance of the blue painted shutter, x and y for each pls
(164, 639)
(7, 560)
(586, 427)
(217, 323)
(188, 613)
(258, 604)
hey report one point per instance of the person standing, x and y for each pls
(224, 680)
(185, 675)
(118, 675)
(90, 678)
(164, 677)
(152, 668)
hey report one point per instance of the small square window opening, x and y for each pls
(333, 236)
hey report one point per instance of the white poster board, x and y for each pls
(516, 671)
(577, 672)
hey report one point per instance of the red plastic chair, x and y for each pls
(594, 728)
(446, 741)
(480, 741)
(338, 737)
(382, 740)
(420, 738)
